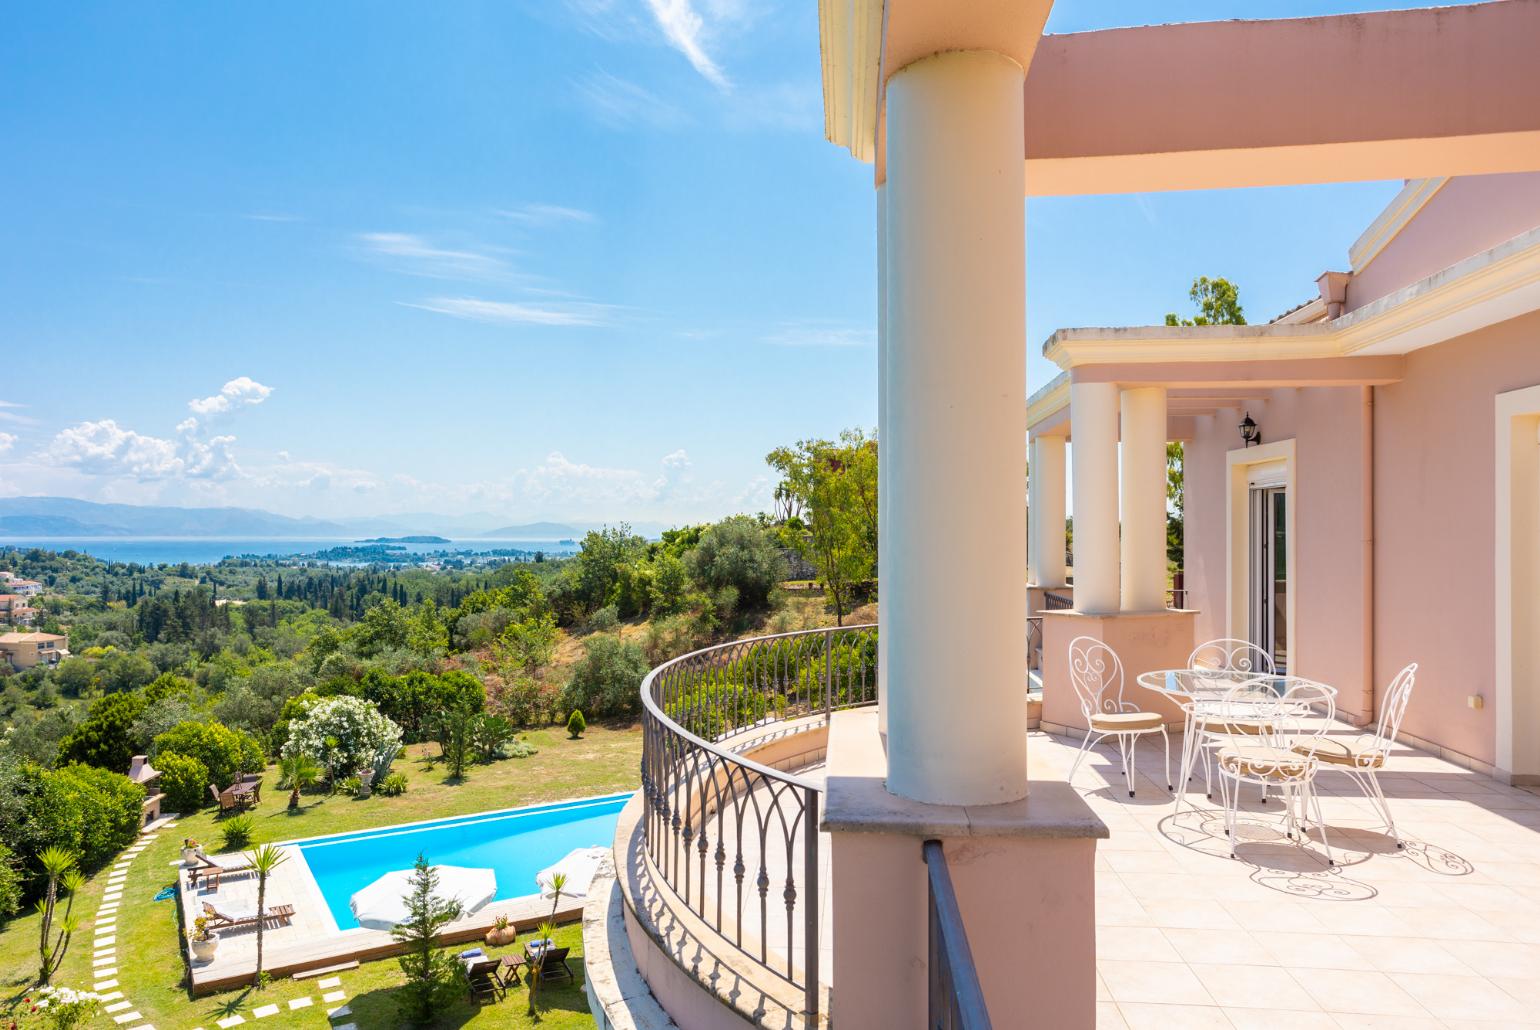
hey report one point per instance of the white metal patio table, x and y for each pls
(1206, 691)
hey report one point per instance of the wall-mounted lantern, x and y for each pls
(1250, 431)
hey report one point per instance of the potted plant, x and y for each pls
(203, 941)
(189, 850)
(502, 933)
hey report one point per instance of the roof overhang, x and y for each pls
(1388, 94)
(1366, 347)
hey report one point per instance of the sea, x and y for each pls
(155, 550)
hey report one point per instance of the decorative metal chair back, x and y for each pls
(1097, 675)
(1231, 655)
(1393, 709)
(1275, 735)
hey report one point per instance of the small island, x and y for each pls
(406, 540)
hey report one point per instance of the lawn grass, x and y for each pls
(152, 973)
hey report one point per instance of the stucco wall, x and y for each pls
(1468, 215)
(1434, 521)
(1325, 423)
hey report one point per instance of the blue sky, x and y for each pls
(587, 259)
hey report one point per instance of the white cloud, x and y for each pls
(622, 104)
(240, 392)
(558, 484)
(540, 215)
(7, 441)
(415, 255)
(105, 448)
(267, 216)
(821, 334)
(684, 29)
(496, 312)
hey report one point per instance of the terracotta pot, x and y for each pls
(496, 938)
(203, 951)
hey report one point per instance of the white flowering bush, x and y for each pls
(345, 735)
(63, 1008)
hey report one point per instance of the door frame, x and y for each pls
(1240, 463)
(1517, 586)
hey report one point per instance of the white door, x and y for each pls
(1269, 578)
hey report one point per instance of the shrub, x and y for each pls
(348, 786)
(393, 785)
(604, 620)
(607, 680)
(524, 700)
(738, 553)
(237, 832)
(522, 749)
(715, 708)
(492, 734)
(87, 811)
(185, 780)
(576, 724)
(10, 885)
(345, 735)
(223, 751)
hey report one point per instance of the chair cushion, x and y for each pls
(1345, 752)
(1236, 727)
(1265, 762)
(1126, 722)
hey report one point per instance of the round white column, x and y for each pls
(1094, 438)
(956, 375)
(1048, 510)
(884, 460)
(1144, 499)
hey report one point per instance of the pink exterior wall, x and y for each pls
(1470, 214)
(1325, 424)
(1435, 482)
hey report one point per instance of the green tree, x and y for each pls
(737, 553)
(430, 973)
(185, 781)
(670, 584)
(223, 751)
(527, 645)
(1218, 303)
(835, 485)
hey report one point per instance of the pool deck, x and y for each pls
(311, 938)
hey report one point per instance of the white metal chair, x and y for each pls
(1363, 756)
(1283, 757)
(1097, 675)
(1231, 655)
(1225, 654)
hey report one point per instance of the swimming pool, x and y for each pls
(516, 844)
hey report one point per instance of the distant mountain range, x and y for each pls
(68, 517)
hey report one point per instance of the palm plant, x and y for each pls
(558, 884)
(546, 932)
(59, 868)
(298, 771)
(263, 861)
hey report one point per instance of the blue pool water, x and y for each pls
(516, 844)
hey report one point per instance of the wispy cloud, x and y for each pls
(415, 255)
(622, 104)
(271, 216)
(9, 413)
(821, 334)
(498, 312)
(7, 441)
(684, 29)
(541, 215)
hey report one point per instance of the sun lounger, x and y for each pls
(481, 974)
(234, 919)
(213, 867)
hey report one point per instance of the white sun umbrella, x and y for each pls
(382, 904)
(579, 865)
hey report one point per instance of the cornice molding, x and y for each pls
(850, 48)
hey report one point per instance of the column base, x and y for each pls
(1024, 873)
(1144, 642)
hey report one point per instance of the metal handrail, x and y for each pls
(707, 803)
(1057, 602)
(956, 999)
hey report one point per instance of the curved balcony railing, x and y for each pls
(736, 840)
